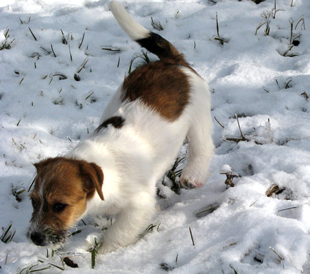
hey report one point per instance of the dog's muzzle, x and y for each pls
(47, 237)
(38, 238)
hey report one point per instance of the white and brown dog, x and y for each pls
(114, 171)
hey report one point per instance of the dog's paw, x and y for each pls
(190, 184)
(193, 177)
(105, 248)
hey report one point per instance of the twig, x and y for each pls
(35, 38)
(190, 231)
(82, 40)
(83, 65)
(244, 139)
(218, 122)
(280, 257)
(293, 207)
(302, 25)
(53, 51)
(64, 40)
(70, 53)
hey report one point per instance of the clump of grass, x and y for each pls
(267, 15)
(266, 22)
(250, 136)
(58, 101)
(26, 21)
(80, 68)
(79, 105)
(42, 265)
(166, 267)
(94, 252)
(294, 37)
(151, 227)
(8, 234)
(275, 10)
(64, 40)
(35, 55)
(238, 139)
(111, 49)
(207, 210)
(34, 268)
(156, 25)
(286, 85)
(173, 175)
(39, 266)
(6, 44)
(16, 192)
(21, 147)
(60, 76)
(143, 56)
(218, 37)
(82, 40)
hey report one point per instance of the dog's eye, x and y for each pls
(58, 207)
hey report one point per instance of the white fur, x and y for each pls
(134, 30)
(136, 156)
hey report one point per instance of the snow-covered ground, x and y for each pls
(262, 75)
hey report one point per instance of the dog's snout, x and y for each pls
(38, 238)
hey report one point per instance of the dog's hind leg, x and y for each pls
(200, 149)
(200, 152)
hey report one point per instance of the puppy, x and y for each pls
(114, 170)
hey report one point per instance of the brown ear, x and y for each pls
(43, 163)
(93, 178)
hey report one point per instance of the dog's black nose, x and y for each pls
(38, 238)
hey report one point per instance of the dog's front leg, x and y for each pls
(129, 223)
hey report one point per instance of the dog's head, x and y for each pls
(59, 197)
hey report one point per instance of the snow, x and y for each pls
(235, 229)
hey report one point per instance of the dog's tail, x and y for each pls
(145, 38)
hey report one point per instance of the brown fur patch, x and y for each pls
(161, 86)
(65, 181)
(115, 121)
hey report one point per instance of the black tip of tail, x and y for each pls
(162, 48)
